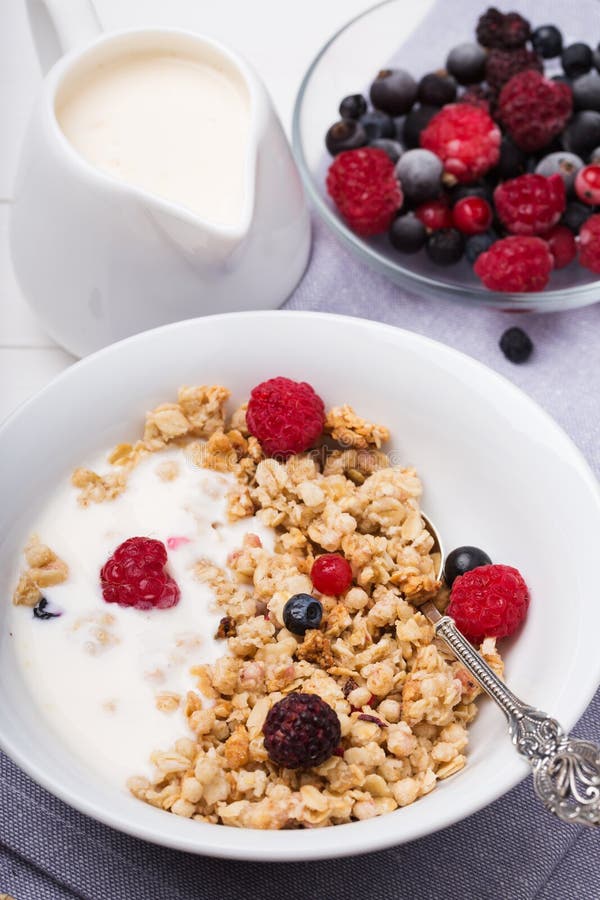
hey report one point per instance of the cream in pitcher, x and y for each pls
(167, 123)
(156, 184)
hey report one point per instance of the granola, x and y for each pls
(403, 702)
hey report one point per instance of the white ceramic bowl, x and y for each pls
(498, 472)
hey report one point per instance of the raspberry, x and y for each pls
(331, 574)
(364, 188)
(502, 65)
(530, 204)
(534, 109)
(496, 29)
(135, 576)
(516, 265)
(561, 242)
(466, 140)
(589, 244)
(301, 731)
(490, 601)
(285, 416)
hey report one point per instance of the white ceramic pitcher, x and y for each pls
(99, 259)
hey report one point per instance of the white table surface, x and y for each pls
(279, 37)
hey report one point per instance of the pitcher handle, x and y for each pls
(58, 26)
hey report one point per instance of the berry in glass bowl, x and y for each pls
(527, 119)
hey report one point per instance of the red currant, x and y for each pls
(587, 185)
(563, 248)
(472, 215)
(434, 214)
(331, 574)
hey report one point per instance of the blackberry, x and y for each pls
(345, 135)
(353, 107)
(478, 244)
(582, 134)
(576, 60)
(420, 175)
(466, 62)
(547, 41)
(586, 91)
(407, 233)
(505, 31)
(416, 121)
(301, 731)
(445, 247)
(516, 345)
(501, 65)
(436, 89)
(394, 91)
(377, 125)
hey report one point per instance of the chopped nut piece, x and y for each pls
(316, 648)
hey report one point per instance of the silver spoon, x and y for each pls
(566, 770)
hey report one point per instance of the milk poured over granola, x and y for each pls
(170, 125)
(101, 672)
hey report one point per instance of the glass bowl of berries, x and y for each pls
(460, 155)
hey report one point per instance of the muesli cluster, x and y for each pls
(331, 701)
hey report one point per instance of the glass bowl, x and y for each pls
(418, 37)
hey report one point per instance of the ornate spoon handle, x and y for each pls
(566, 771)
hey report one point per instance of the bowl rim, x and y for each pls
(334, 841)
(371, 255)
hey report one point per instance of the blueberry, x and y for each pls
(41, 611)
(462, 560)
(596, 58)
(436, 89)
(512, 161)
(407, 233)
(586, 91)
(595, 156)
(460, 191)
(582, 134)
(345, 135)
(477, 244)
(562, 163)
(445, 247)
(467, 63)
(547, 41)
(577, 59)
(353, 107)
(516, 345)
(562, 79)
(417, 119)
(378, 125)
(575, 215)
(392, 148)
(302, 612)
(420, 173)
(394, 91)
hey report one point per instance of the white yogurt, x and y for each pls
(169, 124)
(100, 697)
